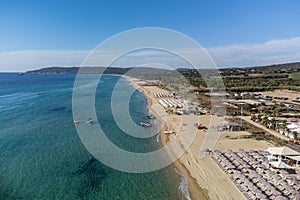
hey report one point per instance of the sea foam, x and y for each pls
(183, 186)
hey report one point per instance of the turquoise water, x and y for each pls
(42, 157)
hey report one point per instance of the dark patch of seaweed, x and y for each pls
(60, 109)
(94, 173)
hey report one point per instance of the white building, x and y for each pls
(279, 157)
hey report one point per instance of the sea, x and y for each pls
(42, 156)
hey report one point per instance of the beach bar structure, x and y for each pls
(279, 154)
(232, 126)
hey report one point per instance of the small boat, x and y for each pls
(169, 131)
(90, 121)
(76, 121)
(150, 116)
(143, 124)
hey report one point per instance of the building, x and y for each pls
(283, 157)
(232, 126)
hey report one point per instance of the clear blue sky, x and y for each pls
(81, 25)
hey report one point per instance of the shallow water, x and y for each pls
(42, 157)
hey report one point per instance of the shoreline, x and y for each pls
(205, 178)
(195, 191)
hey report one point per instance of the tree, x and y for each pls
(259, 117)
(289, 131)
(276, 113)
(284, 123)
(253, 117)
(273, 123)
(295, 134)
(264, 120)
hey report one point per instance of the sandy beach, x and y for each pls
(205, 179)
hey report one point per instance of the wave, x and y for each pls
(157, 138)
(10, 101)
(183, 186)
(19, 95)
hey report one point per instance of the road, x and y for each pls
(272, 132)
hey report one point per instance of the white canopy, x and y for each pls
(283, 151)
(280, 165)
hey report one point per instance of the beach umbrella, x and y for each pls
(270, 187)
(254, 163)
(254, 180)
(267, 176)
(273, 181)
(247, 179)
(281, 182)
(260, 195)
(276, 192)
(266, 184)
(287, 187)
(281, 198)
(283, 172)
(235, 177)
(286, 192)
(263, 187)
(245, 165)
(285, 184)
(257, 175)
(257, 191)
(253, 187)
(276, 177)
(244, 180)
(276, 182)
(280, 187)
(268, 192)
(248, 184)
(293, 191)
(262, 180)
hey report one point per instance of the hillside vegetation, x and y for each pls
(279, 76)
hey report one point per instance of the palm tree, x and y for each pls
(264, 120)
(273, 123)
(289, 131)
(253, 117)
(295, 134)
(279, 127)
(284, 123)
(259, 117)
(276, 113)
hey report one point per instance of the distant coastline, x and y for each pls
(242, 79)
(75, 70)
(274, 68)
